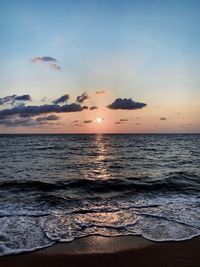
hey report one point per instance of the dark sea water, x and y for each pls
(54, 188)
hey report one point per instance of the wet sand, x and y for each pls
(96, 251)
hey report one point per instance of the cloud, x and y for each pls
(21, 122)
(23, 98)
(44, 99)
(61, 99)
(43, 59)
(163, 119)
(28, 122)
(82, 98)
(54, 66)
(48, 118)
(126, 104)
(28, 111)
(93, 107)
(34, 115)
(50, 61)
(123, 120)
(85, 107)
(87, 121)
(14, 98)
(100, 92)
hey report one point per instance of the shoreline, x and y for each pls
(120, 251)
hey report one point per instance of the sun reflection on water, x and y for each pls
(101, 160)
(96, 160)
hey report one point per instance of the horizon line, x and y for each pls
(99, 133)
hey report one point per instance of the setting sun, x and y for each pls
(99, 119)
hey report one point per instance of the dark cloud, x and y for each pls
(75, 121)
(61, 99)
(123, 120)
(48, 118)
(43, 59)
(82, 98)
(14, 98)
(163, 119)
(20, 122)
(17, 121)
(23, 98)
(85, 107)
(87, 121)
(37, 115)
(93, 107)
(3, 117)
(126, 104)
(28, 111)
(100, 92)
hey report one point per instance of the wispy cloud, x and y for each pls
(29, 122)
(87, 121)
(52, 117)
(50, 61)
(121, 121)
(43, 59)
(16, 122)
(54, 66)
(126, 104)
(100, 92)
(93, 107)
(82, 98)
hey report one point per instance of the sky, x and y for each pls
(99, 66)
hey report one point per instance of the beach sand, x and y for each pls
(100, 251)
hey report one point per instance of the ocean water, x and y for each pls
(54, 188)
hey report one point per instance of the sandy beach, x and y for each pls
(106, 251)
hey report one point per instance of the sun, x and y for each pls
(99, 119)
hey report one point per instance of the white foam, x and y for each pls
(158, 218)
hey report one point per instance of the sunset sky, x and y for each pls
(99, 66)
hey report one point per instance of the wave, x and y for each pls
(177, 181)
(158, 218)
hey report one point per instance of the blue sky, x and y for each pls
(146, 50)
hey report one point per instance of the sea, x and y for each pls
(55, 188)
